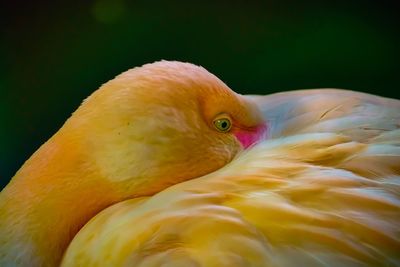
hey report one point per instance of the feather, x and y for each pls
(322, 190)
(141, 175)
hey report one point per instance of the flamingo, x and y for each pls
(166, 166)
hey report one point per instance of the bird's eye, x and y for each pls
(222, 124)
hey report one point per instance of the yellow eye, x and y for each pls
(222, 124)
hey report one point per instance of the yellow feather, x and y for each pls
(322, 196)
(142, 169)
(147, 129)
(283, 203)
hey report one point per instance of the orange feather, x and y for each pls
(142, 168)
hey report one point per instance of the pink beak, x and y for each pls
(249, 137)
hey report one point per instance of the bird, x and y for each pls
(165, 165)
(141, 132)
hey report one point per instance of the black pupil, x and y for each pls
(224, 124)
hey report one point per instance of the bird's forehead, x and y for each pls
(189, 86)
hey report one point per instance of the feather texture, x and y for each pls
(322, 190)
(147, 129)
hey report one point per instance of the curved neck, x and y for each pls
(49, 199)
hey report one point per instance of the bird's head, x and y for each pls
(141, 132)
(164, 123)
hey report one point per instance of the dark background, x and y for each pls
(55, 53)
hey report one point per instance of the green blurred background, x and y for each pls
(55, 53)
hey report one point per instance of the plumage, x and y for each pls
(139, 133)
(321, 189)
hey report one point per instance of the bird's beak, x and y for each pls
(250, 136)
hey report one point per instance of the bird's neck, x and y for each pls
(49, 199)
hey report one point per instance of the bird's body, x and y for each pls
(316, 193)
(321, 190)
